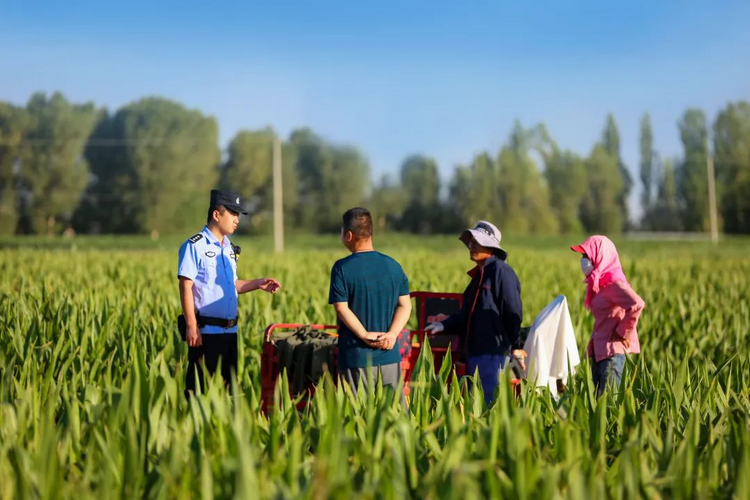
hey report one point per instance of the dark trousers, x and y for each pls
(215, 347)
(489, 366)
(607, 371)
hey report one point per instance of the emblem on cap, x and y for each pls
(238, 200)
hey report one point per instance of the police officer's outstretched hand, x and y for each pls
(269, 285)
(194, 338)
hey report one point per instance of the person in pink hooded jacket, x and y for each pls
(616, 309)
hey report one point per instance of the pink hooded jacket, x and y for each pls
(615, 306)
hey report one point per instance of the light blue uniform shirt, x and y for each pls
(213, 269)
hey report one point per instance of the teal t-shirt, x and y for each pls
(371, 284)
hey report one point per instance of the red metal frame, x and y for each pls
(270, 368)
(438, 353)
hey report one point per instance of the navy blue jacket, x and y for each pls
(489, 321)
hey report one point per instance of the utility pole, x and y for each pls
(712, 197)
(278, 203)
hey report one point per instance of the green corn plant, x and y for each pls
(92, 376)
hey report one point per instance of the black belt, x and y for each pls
(223, 323)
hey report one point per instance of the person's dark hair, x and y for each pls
(210, 217)
(359, 221)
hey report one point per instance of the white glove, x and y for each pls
(434, 328)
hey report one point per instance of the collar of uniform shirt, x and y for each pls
(212, 239)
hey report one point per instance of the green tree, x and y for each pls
(664, 214)
(387, 203)
(13, 123)
(109, 203)
(474, 191)
(566, 177)
(348, 185)
(313, 164)
(508, 191)
(250, 161)
(691, 178)
(421, 182)
(290, 183)
(732, 158)
(330, 179)
(565, 174)
(458, 192)
(524, 199)
(53, 169)
(248, 170)
(611, 143)
(647, 161)
(160, 161)
(600, 210)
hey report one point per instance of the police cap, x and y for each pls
(228, 199)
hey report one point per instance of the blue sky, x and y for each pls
(393, 78)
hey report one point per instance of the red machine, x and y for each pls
(430, 306)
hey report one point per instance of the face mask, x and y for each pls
(586, 266)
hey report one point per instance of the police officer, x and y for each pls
(209, 286)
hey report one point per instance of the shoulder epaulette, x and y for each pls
(195, 238)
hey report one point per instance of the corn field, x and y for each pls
(92, 373)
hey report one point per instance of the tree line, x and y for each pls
(147, 168)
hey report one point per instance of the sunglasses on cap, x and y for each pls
(484, 228)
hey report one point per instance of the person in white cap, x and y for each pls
(489, 321)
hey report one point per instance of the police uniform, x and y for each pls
(212, 267)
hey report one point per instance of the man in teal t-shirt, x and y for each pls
(370, 293)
